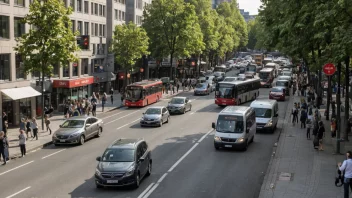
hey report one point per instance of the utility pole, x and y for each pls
(43, 90)
(328, 98)
(347, 98)
(338, 117)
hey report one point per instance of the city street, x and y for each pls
(185, 163)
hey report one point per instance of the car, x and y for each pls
(284, 83)
(277, 93)
(179, 105)
(76, 130)
(201, 79)
(125, 162)
(219, 76)
(230, 79)
(155, 116)
(202, 89)
(289, 78)
(249, 76)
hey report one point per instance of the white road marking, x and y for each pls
(146, 190)
(151, 191)
(53, 153)
(127, 124)
(205, 135)
(18, 192)
(121, 117)
(16, 168)
(183, 157)
(162, 178)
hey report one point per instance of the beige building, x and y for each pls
(93, 72)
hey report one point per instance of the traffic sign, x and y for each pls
(329, 69)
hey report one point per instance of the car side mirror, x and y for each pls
(98, 159)
(213, 125)
(88, 125)
(141, 159)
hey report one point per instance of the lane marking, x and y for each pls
(53, 153)
(151, 191)
(127, 124)
(162, 178)
(16, 167)
(18, 192)
(146, 190)
(113, 115)
(121, 117)
(183, 157)
(205, 135)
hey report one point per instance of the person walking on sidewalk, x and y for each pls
(94, 108)
(310, 123)
(177, 86)
(103, 101)
(321, 135)
(22, 143)
(112, 99)
(34, 126)
(294, 114)
(303, 118)
(3, 146)
(346, 167)
(22, 124)
(28, 126)
(47, 124)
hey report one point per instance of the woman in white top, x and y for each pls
(34, 128)
(310, 121)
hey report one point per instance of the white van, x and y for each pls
(235, 127)
(266, 114)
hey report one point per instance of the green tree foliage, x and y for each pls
(173, 28)
(252, 27)
(129, 44)
(50, 40)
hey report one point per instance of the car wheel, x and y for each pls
(190, 108)
(252, 140)
(161, 123)
(99, 186)
(99, 132)
(167, 121)
(149, 171)
(136, 184)
(184, 111)
(81, 140)
(216, 147)
(245, 146)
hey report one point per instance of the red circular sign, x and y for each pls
(329, 69)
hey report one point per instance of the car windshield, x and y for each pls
(177, 101)
(73, 124)
(262, 113)
(229, 124)
(276, 90)
(153, 111)
(118, 155)
(134, 93)
(225, 91)
(201, 86)
(281, 83)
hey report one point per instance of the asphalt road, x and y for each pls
(185, 163)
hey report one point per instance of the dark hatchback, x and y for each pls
(125, 162)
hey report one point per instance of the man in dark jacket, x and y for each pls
(3, 146)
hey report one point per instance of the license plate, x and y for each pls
(133, 104)
(223, 103)
(62, 140)
(112, 181)
(228, 146)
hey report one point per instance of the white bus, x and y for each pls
(236, 92)
(275, 66)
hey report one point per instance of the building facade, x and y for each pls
(247, 17)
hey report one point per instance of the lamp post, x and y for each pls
(141, 74)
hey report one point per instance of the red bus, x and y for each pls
(140, 94)
(266, 76)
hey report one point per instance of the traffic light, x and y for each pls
(85, 42)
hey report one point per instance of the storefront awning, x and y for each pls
(20, 93)
(75, 82)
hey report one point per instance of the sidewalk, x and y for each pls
(169, 94)
(44, 138)
(296, 169)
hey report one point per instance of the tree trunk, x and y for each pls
(328, 98)
(338, 98)
(43, 106)
(347, 97)
(171, 58)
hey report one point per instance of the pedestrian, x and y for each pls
(103, 101)
(333, 126)
(111, 91)
(28, 127)
(47, 124)
(173, 89)
(98, 97)
(75, 111)
(112, 99)
(34, 127)
(3, 146)
(346, 167)
(294, 114)
(321, 135)
(122, 98)
(303, 118)
(310, 123)
(94, 108)
(177, 86)
(22, 143)
(22, 124)
(5, 122)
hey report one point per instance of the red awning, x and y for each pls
(71, 83)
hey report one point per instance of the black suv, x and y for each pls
(124, 162)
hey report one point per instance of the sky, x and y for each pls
(250, 6)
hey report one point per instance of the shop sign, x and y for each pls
(74, 64)
(73, 83)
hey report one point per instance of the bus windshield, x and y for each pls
(229, 124)
(263, 75)
(225, 91)
(134, 93)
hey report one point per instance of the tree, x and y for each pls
(173, 28)
(50, 40)
(129, 44)
(252, 27)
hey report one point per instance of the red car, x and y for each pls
(277, 93)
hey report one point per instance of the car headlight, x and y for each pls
(240, 140)
(75, 134)
(217, 139)
(97, 172)
(269, 123)
(142, 118)
(130, 171)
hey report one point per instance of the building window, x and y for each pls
(65, 70)
(79, 27)
(100, 10)
(4, 27)
(19, 27)
(92, 29)
(96, 9)
(19, 2)
(92, 8)
(96, 29)
(20, 74)
(86, 28)
(73, 27)
(103, 48)
(84, 66)
(56, 70)
(72, 4)
(123, 16)
(4, 66)
(94, 50)
(100, 30)
(74, 70)
(103, 11)
(4, 1)
(79, 6)
(116, 14)
(86, 9)
(120, 15)
(103, 30)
